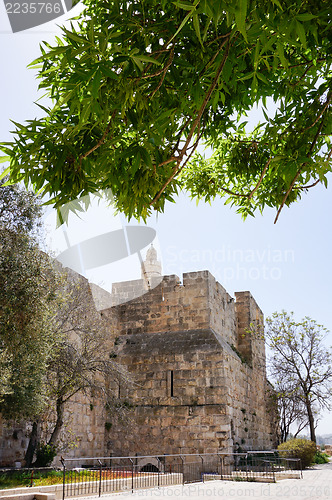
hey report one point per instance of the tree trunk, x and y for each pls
(33, 443)
(311, 421)
(60, 406)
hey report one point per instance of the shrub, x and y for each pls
(45, 455)
(321, 458)
(299, 448)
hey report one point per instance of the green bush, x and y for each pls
(299, 448)
(321, 458)
(45, 455)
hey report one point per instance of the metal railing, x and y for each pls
(95, 476)
(260, 466)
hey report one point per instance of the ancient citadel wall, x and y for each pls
(169, 306)
(174, 403)
(260, 417)
(199, 375)
(13, 442)
(188, 335)
(250, 330)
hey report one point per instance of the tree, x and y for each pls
(137, 86)
(290, 409)
(302, 361)
(26, 306)
(82, 362)
(53, 341)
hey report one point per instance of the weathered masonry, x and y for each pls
(200, 375)
(197, 359)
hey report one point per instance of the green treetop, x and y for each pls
(137, 86)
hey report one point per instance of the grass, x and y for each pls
(23, 478)
(17, 479)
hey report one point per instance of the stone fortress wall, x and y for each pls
(200, 375)
(199, 380)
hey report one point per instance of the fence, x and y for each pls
(260, 466)
(95, 476)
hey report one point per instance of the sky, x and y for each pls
(285, 265)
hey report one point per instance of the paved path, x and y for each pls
(315, 485)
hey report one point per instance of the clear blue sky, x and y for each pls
(285, 266)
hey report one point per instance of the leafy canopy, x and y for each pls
(136, 86)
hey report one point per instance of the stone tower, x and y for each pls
(199, 372)
(151, 267)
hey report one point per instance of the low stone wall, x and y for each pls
(55, 492)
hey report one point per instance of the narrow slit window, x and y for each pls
(170, 383)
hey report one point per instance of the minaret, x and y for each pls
(151, 267)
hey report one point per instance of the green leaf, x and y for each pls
(215, 100)
(205, 31)
(265, 115)
(277, 3)
(49, 55)
(4, 173)
(185, 20)
(184, 5)
(3, 159)
(96, 84)
(301, 33)
(75, 37)
(281, 54)
(145, 156)
(248, 76)
(108, 71)
(138, 63)
(147, 59)
(196, 26)
(305, 17)
(256, 55)
(262, 77)
(240, 17)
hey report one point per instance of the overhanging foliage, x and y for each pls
(137, 86)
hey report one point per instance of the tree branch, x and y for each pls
(310, 185)
(178, 160)
(326, 105)
(207, 98)
(260, 179)
(301, 78)
(240, 195)
(177, 170)
(299, 171)
(169, 62)
(101, 140)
